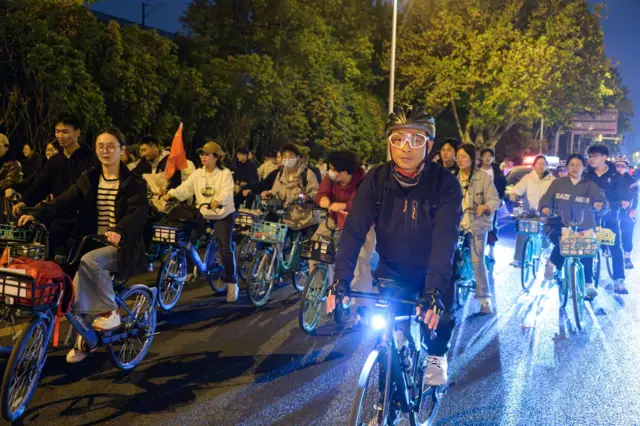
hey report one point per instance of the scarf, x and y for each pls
(406, 179)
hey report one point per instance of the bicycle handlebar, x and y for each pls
(101, 239)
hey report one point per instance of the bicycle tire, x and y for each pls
(376, 363)
(319, 273)
(429, 400)
(165, 283)
(463, 290)
(527, 264)
(609, 261)
(563, 289)
(11, 412)
(299, 273)
(260, 265)
(578, 293)
(289, 254)
(244, 255)
(597, 262)
(142, 320)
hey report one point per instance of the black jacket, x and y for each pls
(246, 172)
(58, 174)
(131, 213)
(31, 166)
(612, 183)
(499, 180)
(265, 184)
(633, 190)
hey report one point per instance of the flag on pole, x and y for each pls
(177, 157)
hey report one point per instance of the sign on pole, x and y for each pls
(605, 123)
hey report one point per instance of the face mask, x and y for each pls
(333, 175)
(289, 162)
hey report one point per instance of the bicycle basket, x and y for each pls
(529, 226)
(517, 211)
(20, 291)
(269, 232)
(35, 250)
(605, 237)
(245, 218)
(579, 247)
(13, 233)
(169, 234)
(322, 250)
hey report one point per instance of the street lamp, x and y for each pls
(392, 71)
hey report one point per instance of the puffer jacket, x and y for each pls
(533, 188)
(10, 174)
(480, 190)
(288, 189)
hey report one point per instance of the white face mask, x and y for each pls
(333, 175)
(290, 163)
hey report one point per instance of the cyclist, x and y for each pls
(573, 197)
(487, 155)
(213, 185)
(112, 201)
(415, 206)
(627, 217)
(562, 169)
(448, 155)
(479, 203)
(603, 174)
(532, 186)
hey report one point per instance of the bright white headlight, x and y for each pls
(378, 322)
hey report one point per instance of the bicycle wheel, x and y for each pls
(300, 275)
(608, 260)
(463, 290)
(259, 284)
(290, 250)
(312, 300)
(597, 262)
(170, 280)
(371, 404)
(244, 255)
(428, 399)
(527, 268)
(578, 293)
(23, 369)
(563, 289)
(138, 320)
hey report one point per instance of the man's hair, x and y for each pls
(485, 150)
(344, 161)
(291, 147)
(149, 140)
(598, 148)
(271, 154)
(579, 157)
(116, 133)
(243, 151)
(455, 144)
(69, 120)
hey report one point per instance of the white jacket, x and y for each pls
(533, 188)
(220, 186)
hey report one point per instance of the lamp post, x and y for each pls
(392, 70)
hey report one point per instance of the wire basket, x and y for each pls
(321, 250)
(32, 250)
(605, 236)
(530, 226)
(579, 247)
(269, 232)
(13, 233)
(246, 218)
(169, 234)
(20, 291)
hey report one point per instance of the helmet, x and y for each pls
(411, 118)
(621, 159)
(562, 163)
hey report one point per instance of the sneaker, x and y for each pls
(436, 372)
(485, 306)
(628, 264)
(77, 354)
(232, 292)
(107, 321)
(619, 287)
(591, 290)
(516, 264)
(549, 270)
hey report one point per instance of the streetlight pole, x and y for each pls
(392, 72)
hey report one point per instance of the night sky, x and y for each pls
(621, 29)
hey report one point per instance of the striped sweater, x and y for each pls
(106, 204)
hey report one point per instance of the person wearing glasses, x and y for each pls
(627, 217)
(415, 205)
(111, 201)
(603, 173)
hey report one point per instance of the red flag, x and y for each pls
(177, 157)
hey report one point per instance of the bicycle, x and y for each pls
(606, 238)
(465, 282)
(391, 385)
(26, 362)
(531, 226)
(173, 272)
(248, 247)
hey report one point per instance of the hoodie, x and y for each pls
(533, 188)
(612, 183)
(573, 202)
(337, 193)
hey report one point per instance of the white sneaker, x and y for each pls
(549, 270)
(107, 321)
(436, 372)
(232, 293)
(516, 264)
(77, 354)
(619, 287)
(591, 290)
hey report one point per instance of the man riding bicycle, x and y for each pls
(415, 205)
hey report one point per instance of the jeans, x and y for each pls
(92, 284)
(626, 232)
(520, 240)
(558, 260)
(476, 249)
(612, 222)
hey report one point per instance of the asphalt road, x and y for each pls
(219, 364)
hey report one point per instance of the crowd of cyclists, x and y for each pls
(411, 211)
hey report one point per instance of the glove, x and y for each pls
(431, 301)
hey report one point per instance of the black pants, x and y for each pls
(412, 281)
(60, 235)
(626, 232)
(558, 260)
(223, 230)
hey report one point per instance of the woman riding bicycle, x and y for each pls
(573, 198)
(532, 186)
(212, 186)
(111, 201)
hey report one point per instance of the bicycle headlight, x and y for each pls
(378, 322)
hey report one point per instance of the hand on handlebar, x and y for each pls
(625, 204)
(324, 202)
(338, 291)
(513, 197)
(214, 204)
(265, 194)
(337, 207)
(167, 197)
(434, 308)
(113, 237)
(25, 219)
(546, 211)
(246, 192)
(598, 206)
(482, 210)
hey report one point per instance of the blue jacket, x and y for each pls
(612, 183)
(416, 228)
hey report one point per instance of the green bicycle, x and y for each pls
(530, 226)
